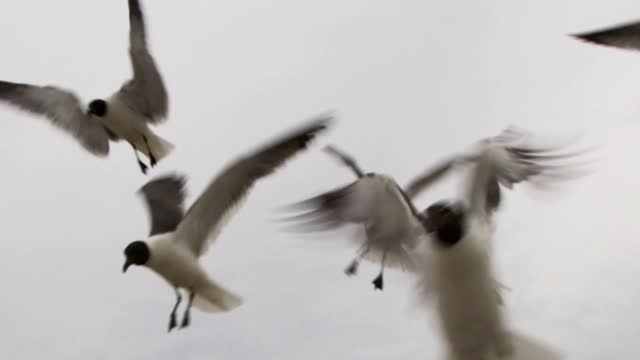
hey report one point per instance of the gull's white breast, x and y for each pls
(175, 263)
(125, 122)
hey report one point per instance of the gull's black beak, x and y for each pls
(126, 266)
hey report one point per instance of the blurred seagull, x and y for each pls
(377, 203)
(624, 36)
(390, 220)
(177, 240)
(124, 115)
(458, 264)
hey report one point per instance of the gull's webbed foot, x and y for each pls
(377, 282)
(172, 321)
(143, 167)
(186, 320)
(352, 269)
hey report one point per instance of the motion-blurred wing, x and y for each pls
(64, 110)
(146, 92)
(508, 161)
(165, 202)
(625, 36)
(430, 177)
(346, 159)
(207, 215)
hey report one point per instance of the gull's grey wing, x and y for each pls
(625, 36)
(429, 177)
(507, 164)
(165, 201)
(208, 214)
(64, 110)
(146, 92)
(347, 160)
(374, 202)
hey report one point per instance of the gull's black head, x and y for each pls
(136, 253)
(446, 220)
(98, 107)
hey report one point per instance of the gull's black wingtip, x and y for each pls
(324, 120)
(7, 86)
(590, 38)
(317, 124)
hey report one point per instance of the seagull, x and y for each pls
(126, 114)
(376, 203)
(458, 264)
(624, 36)
(385, 211)
(178, 239)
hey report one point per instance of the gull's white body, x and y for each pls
(177, 239)
(180, 267)
(390, 225)
(466, 301)
(132, 127)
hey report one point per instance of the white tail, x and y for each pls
(159, 147)
(213, 298)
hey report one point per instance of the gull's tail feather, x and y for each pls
(213, 298)
(397, 259)
(160, 148)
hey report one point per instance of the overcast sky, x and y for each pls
(412, 81)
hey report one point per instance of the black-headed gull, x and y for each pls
(457, 268)
(376, 203)
(124, 115)
(176, 241)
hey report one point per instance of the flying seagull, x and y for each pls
(385, 211)
(379, 206)
(458, 264)
(178, 239)
(124, 115)
(624, 36)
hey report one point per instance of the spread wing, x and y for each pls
(62, 108)
(207, 216)
(165, 201)
(625, 36)
(354, 203)
(508, 161)
(146, 92)
(430, 177)
(347, 160)
(374, 202)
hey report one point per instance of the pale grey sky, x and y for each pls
(412, 81)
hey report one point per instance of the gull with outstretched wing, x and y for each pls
(125, 115)
(177, 239)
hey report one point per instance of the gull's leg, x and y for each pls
(143, 167)
(187, 318)
(377, 282)
(172, 317)
(152, 159)
(352, 269)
